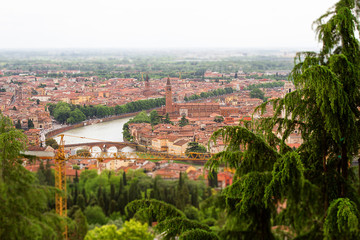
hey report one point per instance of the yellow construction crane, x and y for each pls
(61, 158)
(60, 183)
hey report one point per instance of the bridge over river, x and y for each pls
(102, 146)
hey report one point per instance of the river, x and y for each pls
(100, 132)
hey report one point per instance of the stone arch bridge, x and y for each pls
(104, 146)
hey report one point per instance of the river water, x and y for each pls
(100, 132)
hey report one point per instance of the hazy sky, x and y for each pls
(160, 23)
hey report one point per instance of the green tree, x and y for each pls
(30, 124)
(41, 174)
(324, 108)
(182, 197)
(245, 195)
(18, 124)
(135, 230)
(62, 112)
(219, 119)
(134, 190)
(154, 117)
(174, 227)
(152, 210)
(52, 142)
(95, 215)
(257, 93)
(81, 202)
(103, 233)
(81, 226)
(141, 117)
(76, 116)
(183, 121)
(24, 204)
(195, 147)
(167, 119)
(49, 174)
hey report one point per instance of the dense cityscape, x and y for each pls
(183, 143)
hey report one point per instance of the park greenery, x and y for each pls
(218, 119)
(71, 114)
(183, 121)
(212, 93)
(266, 85)
(257, 93)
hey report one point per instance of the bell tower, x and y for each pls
(147, 83)
(168, 93)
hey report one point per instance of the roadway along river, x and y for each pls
(106, 131)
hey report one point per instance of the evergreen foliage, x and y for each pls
(198, 234)
(342, 220)
(195, 147)
(154, 118)
(30, 124)
(219, 119)
(324, 108)
(212, 93)
(266, 85)
(23, 209)
(152, 210)
(18, 124)
(69, 113)
(81, 226)
(135, 230)
(174, 227)
(257, 93)
(183, 121)
(52, 142)
(166, 120)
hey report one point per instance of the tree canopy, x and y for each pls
(313, 182)
(23, 210)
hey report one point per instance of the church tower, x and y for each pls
(168, 93)
(147, 83)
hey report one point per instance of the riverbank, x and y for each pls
(57, 131)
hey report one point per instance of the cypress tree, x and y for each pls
(76, 192)
(76, 179)
(112, 207)
(41, 174)
(195, 198)
(182, 195)
(49, 175)
(112, 192)
(81, 202)
(83, 192)
(124, 178)
(81, 225)
(134, 191)
(324, 108)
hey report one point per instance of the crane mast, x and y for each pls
(60, 182)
